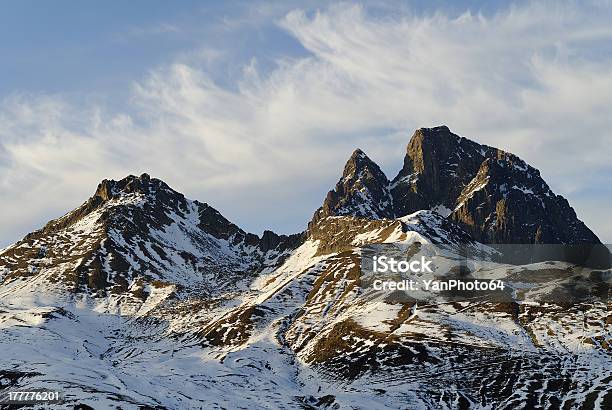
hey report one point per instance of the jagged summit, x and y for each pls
(113, 197)
(450, 173)
(143, 184)
(358, 162)
(362, 191)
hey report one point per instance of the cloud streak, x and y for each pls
(535, 80)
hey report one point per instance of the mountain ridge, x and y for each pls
(442, 171)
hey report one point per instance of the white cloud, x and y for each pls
(535, 80)
(139, 32)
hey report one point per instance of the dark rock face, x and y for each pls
(271, 241)
(217, 225)
(492, 194)
(363, 191)
(437, 165)
(508, 202)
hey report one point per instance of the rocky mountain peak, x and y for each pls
(362, 191)
(357, 163)
(493, 194)
(138, 229)
(119, 196)
(427, 144)
(438, 163)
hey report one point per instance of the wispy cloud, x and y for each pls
(144, 32)
(535, 80)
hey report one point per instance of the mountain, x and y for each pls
(139, 231)
(143, 298)
(493, 195)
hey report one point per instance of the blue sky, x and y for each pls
(100, 48)
(255, 106)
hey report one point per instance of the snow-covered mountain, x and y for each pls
(142, 298)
